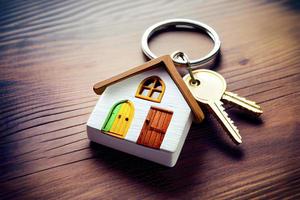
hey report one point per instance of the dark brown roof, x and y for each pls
(167, 63)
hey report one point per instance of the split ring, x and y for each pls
(182, 23)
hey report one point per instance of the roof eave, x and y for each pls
(152, 64)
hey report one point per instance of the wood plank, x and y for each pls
(166, 122)
(149, 131)
(159, 137)
(154, 133)
(145, 128)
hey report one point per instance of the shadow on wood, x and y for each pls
(176, 181)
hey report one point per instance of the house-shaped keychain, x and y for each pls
(146, 111)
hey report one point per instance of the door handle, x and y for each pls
(156, 129)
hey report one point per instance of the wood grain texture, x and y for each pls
(155, 127)
(51, 54)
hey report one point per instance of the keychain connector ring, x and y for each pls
(187, 62)
(188, 23)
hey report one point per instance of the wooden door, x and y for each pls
(119, 119)
(155, 127)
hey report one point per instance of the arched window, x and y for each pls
(151, 89)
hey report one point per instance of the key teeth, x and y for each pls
(228, 118)
(234, 125)
(235, 135)
(249, 105)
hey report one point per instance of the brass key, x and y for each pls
(210, 89)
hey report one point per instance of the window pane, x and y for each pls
(149, 83)
(155, 95)
(158, 85)
(144, 92)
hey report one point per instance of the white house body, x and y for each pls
(153, 127)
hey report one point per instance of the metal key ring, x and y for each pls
(182, 23)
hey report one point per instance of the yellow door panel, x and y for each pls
(129, 117)
(117, 125)
(125, 116)
(123, 120)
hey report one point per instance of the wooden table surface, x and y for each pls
(52, 52)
